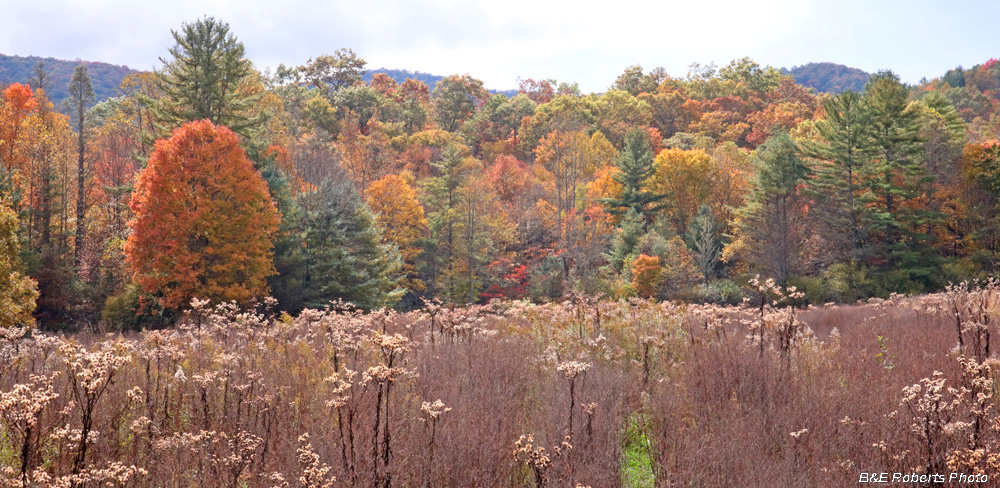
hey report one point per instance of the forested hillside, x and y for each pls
(400, 75)
(391, 193)
(105, 78)
(829, 77)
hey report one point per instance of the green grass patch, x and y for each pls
(637, 455)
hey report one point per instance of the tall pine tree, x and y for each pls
(81, 93)
(770, 230)
(840, 165)
(635, 166)
(345, 256)
(205, 79)
(896, 181)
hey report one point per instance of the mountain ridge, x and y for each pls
(829, 77)
(105, 77)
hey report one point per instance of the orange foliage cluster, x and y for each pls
(204, 220)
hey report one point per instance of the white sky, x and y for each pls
(590, 43)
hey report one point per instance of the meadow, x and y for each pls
(587, 392)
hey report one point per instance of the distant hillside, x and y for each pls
(105, 77)
(829, 77)
(400, 75)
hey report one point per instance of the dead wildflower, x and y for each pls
(20, 411)
(141, 425)
(572, 369)
(314, 473)
(179, 375)
(277, 479)
(932, 407)
(525, 451)
(435, 409)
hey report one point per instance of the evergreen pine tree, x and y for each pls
(838, 171)
(769, 228)
(204, 80)
(344, 255)
(623, 245)
(635, 166)
(703, 238)
(81, 93)
(896, 179)
(443, 199)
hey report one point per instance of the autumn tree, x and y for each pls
(81, 96)
(566, 156)
(566, 112)
(366, 157)
(206, 78)
(397, 211)
(482, 230)
(538, 91)
(494, 128)
(619, 112)
(112, 155)
(331, 72)
(734, 172)
(17, 102)
(467, 224)
(140, 94)
(17, 291)
(981, 172)
(690, 178)
(750, 76)
(46, 179)
(455, 99)
(680, 269)
(203, 220)
(518, 193)
(413, 97)
(647, 275)
(635, 82)
(39, 177)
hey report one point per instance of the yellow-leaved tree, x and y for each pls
(17, 292)
(402, 219)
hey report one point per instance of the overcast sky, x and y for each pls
(498, 42)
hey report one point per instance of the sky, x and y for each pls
(500, 42)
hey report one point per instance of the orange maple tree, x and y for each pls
(647, 275)
(17, 102)
(203, 220)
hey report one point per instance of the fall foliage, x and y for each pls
(399, 214)
(203, 220)
(17, 292)
(466, 194)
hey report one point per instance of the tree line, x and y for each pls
(210, 179)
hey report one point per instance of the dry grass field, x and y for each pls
(586, 392)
